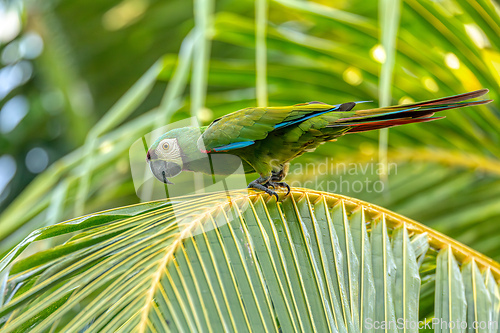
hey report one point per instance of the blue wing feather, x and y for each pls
(235, 145)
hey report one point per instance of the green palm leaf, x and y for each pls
(239, 261)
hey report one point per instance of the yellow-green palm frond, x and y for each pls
(239, 261)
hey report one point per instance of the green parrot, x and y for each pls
(266, 139)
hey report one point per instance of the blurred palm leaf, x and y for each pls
(239, 261)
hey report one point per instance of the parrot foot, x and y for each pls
(263, 187)
(275, 185)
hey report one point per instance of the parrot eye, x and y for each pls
(166, 146)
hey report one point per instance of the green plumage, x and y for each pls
(271, 145)
(267, 139)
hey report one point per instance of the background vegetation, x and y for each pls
(85, 80)
(82, 81)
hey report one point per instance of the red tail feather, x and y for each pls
(389, 123)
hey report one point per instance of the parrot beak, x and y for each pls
(163, 169)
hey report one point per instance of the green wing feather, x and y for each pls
(253, 124)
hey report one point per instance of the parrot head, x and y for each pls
(174, 152)
(165, 158)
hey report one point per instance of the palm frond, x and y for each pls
(239, 261)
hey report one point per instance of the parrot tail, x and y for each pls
(372, 119)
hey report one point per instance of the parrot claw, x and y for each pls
(263, 185)
(263, 188)
(280, 184)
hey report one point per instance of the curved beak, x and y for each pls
(163, 169)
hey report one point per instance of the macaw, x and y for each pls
(266, 139)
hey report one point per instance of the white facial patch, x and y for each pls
(169, 150)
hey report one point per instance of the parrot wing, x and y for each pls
(242, 128)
